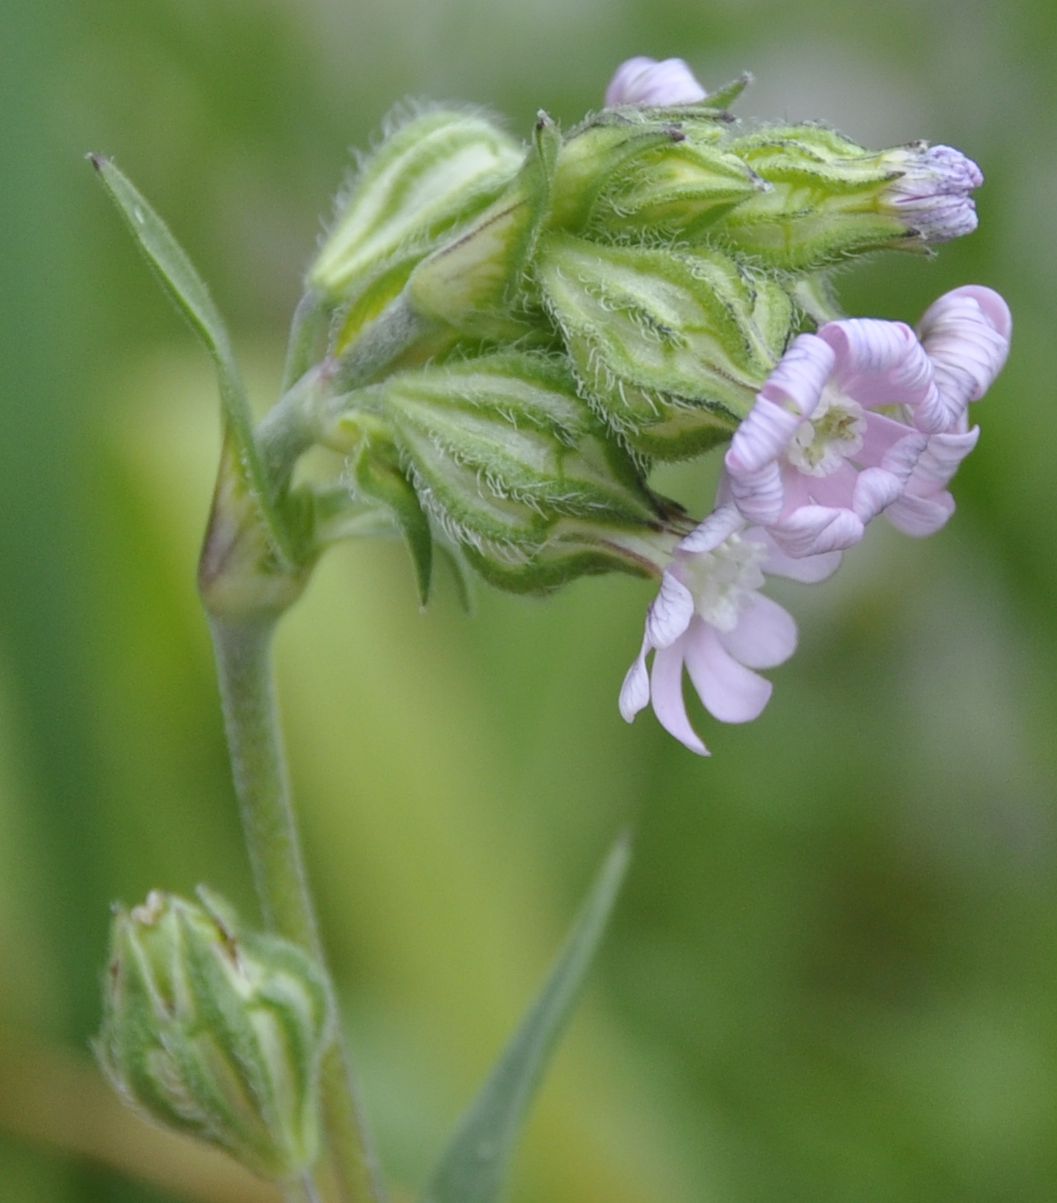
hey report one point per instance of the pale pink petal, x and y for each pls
(667, 687)
(940, 460)
(835, 490)
(902, 458)
(875, 490)
(797, 382)
(645, 81)
(808, 570)
(921, 516)
(728, 690)
(966, 334)
(765, 635)
(670, 613)
(759, 495)
(882, 433)
(813, 530)
(882, 363)
(635, 692)
(762, 436)
(723, 522)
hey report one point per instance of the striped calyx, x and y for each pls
(432, 173)
(507, 462)
(670, 345)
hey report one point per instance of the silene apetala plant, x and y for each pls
(498, 339)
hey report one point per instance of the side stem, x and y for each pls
(348, 1172)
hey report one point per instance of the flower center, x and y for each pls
(833, 434)
(722, 581)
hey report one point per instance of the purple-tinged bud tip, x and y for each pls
(932, 194)
(645, 81)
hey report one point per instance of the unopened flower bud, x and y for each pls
(430, 175)
(509, 463)
(620, 173)
(829, 198)
(672, 345)
(475, 281)
(216, 1033)
(932, 192)
(645, 81)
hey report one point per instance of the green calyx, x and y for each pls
(216, 1032)
(475, 283)
(672, 345)
(824, 200)
(504, 459)
(433, 172)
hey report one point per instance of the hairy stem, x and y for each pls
(348, 1170)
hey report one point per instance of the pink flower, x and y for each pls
(645, 81)
(863, 418)
(711, 619)
(816, 460)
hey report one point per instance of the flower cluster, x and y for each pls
(861, 418)
(515, 333)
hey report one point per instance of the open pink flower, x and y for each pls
(710, 618)
(816, 459)
(645, 81)
(863, 418)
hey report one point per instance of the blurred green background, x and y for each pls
(833, 973)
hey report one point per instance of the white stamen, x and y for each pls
(722, 581)
(833, 434)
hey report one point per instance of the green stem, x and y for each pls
(348, 1171)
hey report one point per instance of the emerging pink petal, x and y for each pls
(645, 81)
(932, 192)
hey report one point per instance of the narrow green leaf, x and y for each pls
(475, 1165)
(185, 286)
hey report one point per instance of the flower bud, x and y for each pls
(216, 1033)
(508, 462)
(645, 81)
(672, 345)
(434, 172)
(625, 171)
(830, 198)
(475, 282)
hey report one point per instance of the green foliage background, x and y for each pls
(833, 973)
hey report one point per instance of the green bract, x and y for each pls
(215, 1032)
(672, 345)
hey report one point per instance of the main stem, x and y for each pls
(348, 1172)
